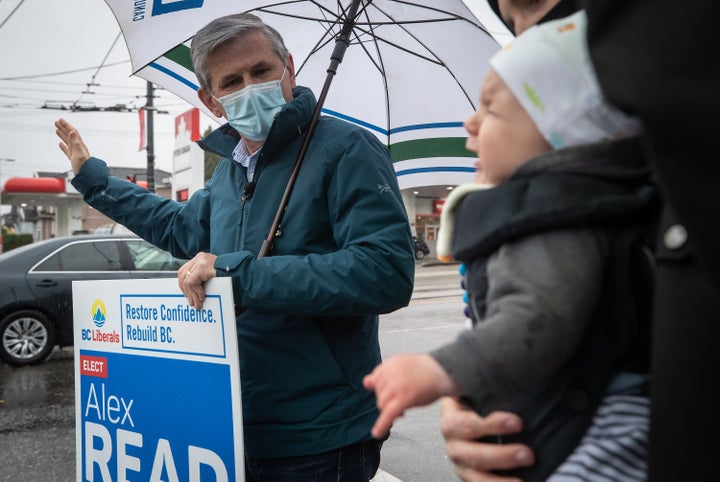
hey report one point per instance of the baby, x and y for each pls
(546, 240)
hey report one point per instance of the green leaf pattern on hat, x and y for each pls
(533, 97)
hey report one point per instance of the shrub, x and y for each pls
(12, 241)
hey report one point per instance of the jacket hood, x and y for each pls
(619, 160)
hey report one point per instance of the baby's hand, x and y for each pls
(406, 381)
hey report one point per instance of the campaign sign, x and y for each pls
(157, 383)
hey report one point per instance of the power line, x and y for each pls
(92, 79)
(72, 84)
(57, 91)
(10, 105)
(168, 131)
(51, 74)
(11, 13)
(87, 107)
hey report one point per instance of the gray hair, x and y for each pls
(224, 29)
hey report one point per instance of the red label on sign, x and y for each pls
(93, 366)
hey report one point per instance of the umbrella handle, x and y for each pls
(341, 44)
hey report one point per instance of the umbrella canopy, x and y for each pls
(411, 74)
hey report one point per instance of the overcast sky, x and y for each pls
(58, 52)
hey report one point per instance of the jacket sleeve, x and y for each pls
(180, 228)
(542, 292)
(370, 271)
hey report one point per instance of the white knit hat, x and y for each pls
(548, 69)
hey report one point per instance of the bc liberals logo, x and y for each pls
(160, 7)
(99, 313)
(168, 6)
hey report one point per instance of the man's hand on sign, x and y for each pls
(193, 274)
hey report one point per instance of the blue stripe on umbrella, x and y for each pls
(174, 75)
(395, 130)
(437, 125)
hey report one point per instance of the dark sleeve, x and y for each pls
(658, 59)
(542, 293)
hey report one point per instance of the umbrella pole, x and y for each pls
(341, 44)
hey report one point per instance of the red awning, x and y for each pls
(51, 185)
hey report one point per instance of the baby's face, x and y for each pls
(501, 133)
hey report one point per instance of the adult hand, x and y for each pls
(474, 461)
(405, 381)
(193, 274)
(72, 144)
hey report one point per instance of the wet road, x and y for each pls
(37, 404)
(37, 420)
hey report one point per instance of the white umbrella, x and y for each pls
(411, 75)
(413, 69)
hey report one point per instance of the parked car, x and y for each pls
(36, 286)
(421, 247)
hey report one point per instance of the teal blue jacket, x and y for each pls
(343, 255)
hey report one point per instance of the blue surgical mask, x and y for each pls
(251, 110)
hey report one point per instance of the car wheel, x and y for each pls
(419, 254)
(26, 338)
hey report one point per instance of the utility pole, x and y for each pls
(2, 186)
(150, 110)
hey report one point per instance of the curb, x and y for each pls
(383, 476)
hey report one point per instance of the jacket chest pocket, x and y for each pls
(226, 228)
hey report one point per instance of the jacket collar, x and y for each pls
(291, 122)
(621, 159)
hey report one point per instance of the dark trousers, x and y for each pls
(354, 463)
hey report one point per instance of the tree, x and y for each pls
(211, 159)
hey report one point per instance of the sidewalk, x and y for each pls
(383, 476)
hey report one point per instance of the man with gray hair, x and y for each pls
(307, 314)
